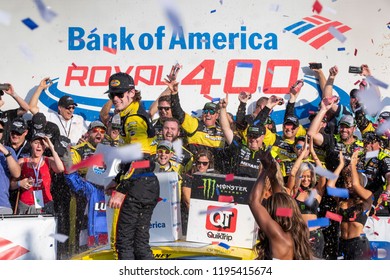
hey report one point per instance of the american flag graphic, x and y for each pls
(314, 30)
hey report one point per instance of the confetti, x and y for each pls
(353, 218)
(245, 64)
(212, 11)
(355, 83)
(355, 53)
(59, 237)
(283, 212)
(95, 159)
(109, 50)
(229, 177)
(333, 216)
(223, 245)
(325, 173)
(30, 23)
(375, 217)
(320, 222)
(372, 154)
(341, 49)
(317, 7)
(141, 164)
(173, 15)
(74, 65)
(216, 99)
(225, 198)
(46, 13)
(377, 234)
(126, 153)
(370, 99)
(337, 34)
(208, 97)
(376, 82)
(312, 196)
(337, 192)
(194, 113)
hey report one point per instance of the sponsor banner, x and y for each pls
(28, 238)
(241, 46)
(165, 224)
(222, 223)
(377, 231)
(214, 187)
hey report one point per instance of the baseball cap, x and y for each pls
(165, 144)
(348, 120)
(256, 131)
(65, 101)
(39, 121)
(61, 145)
(211, 106)
(115, 121)
(292, 119)
(38, 135)
(384, 115)
(120, 82)
(96, 124)
(371, 136)
(19, 125)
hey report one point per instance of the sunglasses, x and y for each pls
(1, 130)
(16, 133)
(163, 151)
(71, 107)
(253, 136)
(111, 95)
(209, 111)
(204, 163)
(98, 130)
(164, 108)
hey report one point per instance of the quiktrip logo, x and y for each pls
(221, 219)
(314, 30)
(11, 251)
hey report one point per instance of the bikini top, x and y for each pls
(308, 209)
(353, 214)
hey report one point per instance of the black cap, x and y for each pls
(292, 119)
(120, 82)
(65, 101)
(353, 93)
(256, 131)
(211, 106)
(19, 125)
(39, 121)
(384, 115)
(38, 135)
(371, 136)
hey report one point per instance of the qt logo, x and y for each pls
(221, 219)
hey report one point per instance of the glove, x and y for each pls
(67, 160)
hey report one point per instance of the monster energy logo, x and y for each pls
(209, 187)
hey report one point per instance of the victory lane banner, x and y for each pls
(219, 211)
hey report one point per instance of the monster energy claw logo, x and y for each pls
(209, 187)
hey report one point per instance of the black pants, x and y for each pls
(132, 232)
(61, 198)
(357, 248)
(317, 242)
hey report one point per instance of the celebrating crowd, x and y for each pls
(291, 166)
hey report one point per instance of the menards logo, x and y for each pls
(11, 251)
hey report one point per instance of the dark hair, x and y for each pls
(137, 96)
(294, 225)
(166, 98)
(204, 153)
